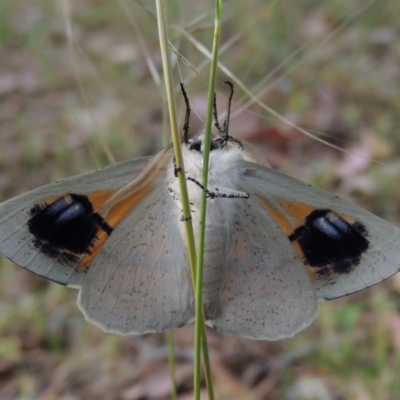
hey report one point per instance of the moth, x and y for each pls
(274, 246)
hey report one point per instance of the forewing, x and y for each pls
(344, 248)
(266, 292)
(21, 222)
(140, 281)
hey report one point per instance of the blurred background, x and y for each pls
(80, 88)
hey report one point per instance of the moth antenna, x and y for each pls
(225, 130)
(215, 112)
(185, 133)
(228, 113)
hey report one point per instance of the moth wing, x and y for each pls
(140, 281)
(266, 292)
(17, 243)
(344, 248)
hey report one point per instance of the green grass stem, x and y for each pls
(199, 328)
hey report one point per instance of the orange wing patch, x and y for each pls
(286, 226)
(112, 217)
(298, 211)
(97, 199)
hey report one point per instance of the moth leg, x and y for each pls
(228, 194)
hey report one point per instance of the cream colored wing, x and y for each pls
(266, 292)
(140, 280)
(343, 247)
(25, 233)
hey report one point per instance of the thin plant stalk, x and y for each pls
(175, 133)
(199, 326)
(171, 364)
(163, 37)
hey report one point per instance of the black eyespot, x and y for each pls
(330, 242)
(66, 228)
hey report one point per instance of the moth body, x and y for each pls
(223, 179)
